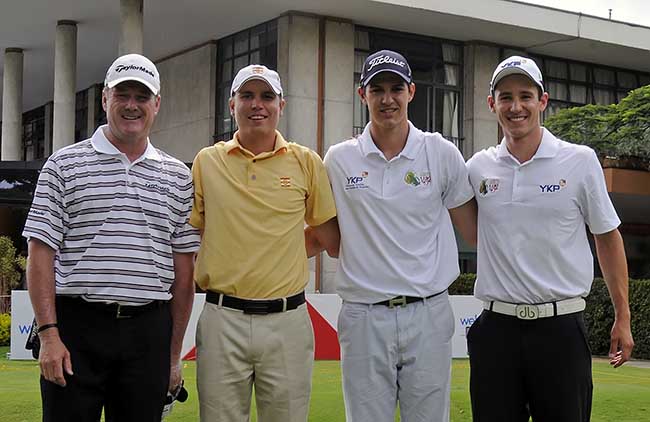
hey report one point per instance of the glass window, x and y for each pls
(604, 76)
(81, 116)
(578, 94)
(557, 91)
(626, 79)
(604, 96)
(556, 69)
(578, 72)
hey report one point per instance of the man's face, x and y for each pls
(130, 110)
(517, 105)
(257, 109)
(387, 96)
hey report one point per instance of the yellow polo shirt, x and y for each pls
(252, 210)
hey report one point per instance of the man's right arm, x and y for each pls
(54, 357)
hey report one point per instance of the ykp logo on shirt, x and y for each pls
(553, 188)
(356, 182)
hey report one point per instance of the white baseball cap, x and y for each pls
(133, 67)
(260, 72)
(517, 65)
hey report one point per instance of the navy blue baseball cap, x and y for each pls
(385, 61)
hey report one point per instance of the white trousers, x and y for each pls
(398, 355)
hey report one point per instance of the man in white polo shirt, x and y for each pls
(397, 191)
(110, 262)
(528, 350)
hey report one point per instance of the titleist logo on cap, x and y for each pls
(122, 68)
(384, 59)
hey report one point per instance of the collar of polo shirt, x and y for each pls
(102, 145)
(280, 145)
(548, 147)
(368, 146)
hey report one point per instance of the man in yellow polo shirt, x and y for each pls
(253, 195)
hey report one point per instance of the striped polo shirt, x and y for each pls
(114, 224)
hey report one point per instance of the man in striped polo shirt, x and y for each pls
(254, 194)
(111, 261)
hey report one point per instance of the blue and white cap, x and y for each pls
(517, 65)
(385, 61)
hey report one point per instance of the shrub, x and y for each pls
(5, 329)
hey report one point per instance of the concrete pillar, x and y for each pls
(480, 126)
(131, 18)
(49, 120)
(298, 68)
(12, 105)
(339, 97)
(65, 76)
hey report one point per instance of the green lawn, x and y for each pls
(621, 395)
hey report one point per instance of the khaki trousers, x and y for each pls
(273, 352)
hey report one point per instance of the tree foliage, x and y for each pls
(10, 266)
(618, 130)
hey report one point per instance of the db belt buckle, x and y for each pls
(527, 311)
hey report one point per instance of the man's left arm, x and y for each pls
(613, 264)
(181, 308)
(325, 236)
(464, 219)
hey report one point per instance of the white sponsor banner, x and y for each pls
(22, 316)
(466, 310)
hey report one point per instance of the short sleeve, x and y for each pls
(596, 206)
(46, 218)
(320, 201)
(457, 189)
(186, 239)
(197, 216)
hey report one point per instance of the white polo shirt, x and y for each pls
(532, 240)
(396, 233)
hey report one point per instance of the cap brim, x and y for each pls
(118, 81)
(509, 72)
(372, 75)
(259, 78)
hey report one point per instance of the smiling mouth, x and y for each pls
(257, 117)
(517, 118)
(131, 118)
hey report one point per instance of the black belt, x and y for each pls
(405, 300)
(256, 307)
(112, 309)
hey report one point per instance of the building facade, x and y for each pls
(318, 49)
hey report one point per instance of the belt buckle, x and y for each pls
(254, 308)
(118, 314)
(397, 301)
(527, 311)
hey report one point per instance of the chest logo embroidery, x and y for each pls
(356, 182)
(553, 188)
(413, 179)
(285, 182)
(488, 186)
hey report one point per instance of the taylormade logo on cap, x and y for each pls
(385, 61)
(122, 68)
(517, 65)
(133, 67)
